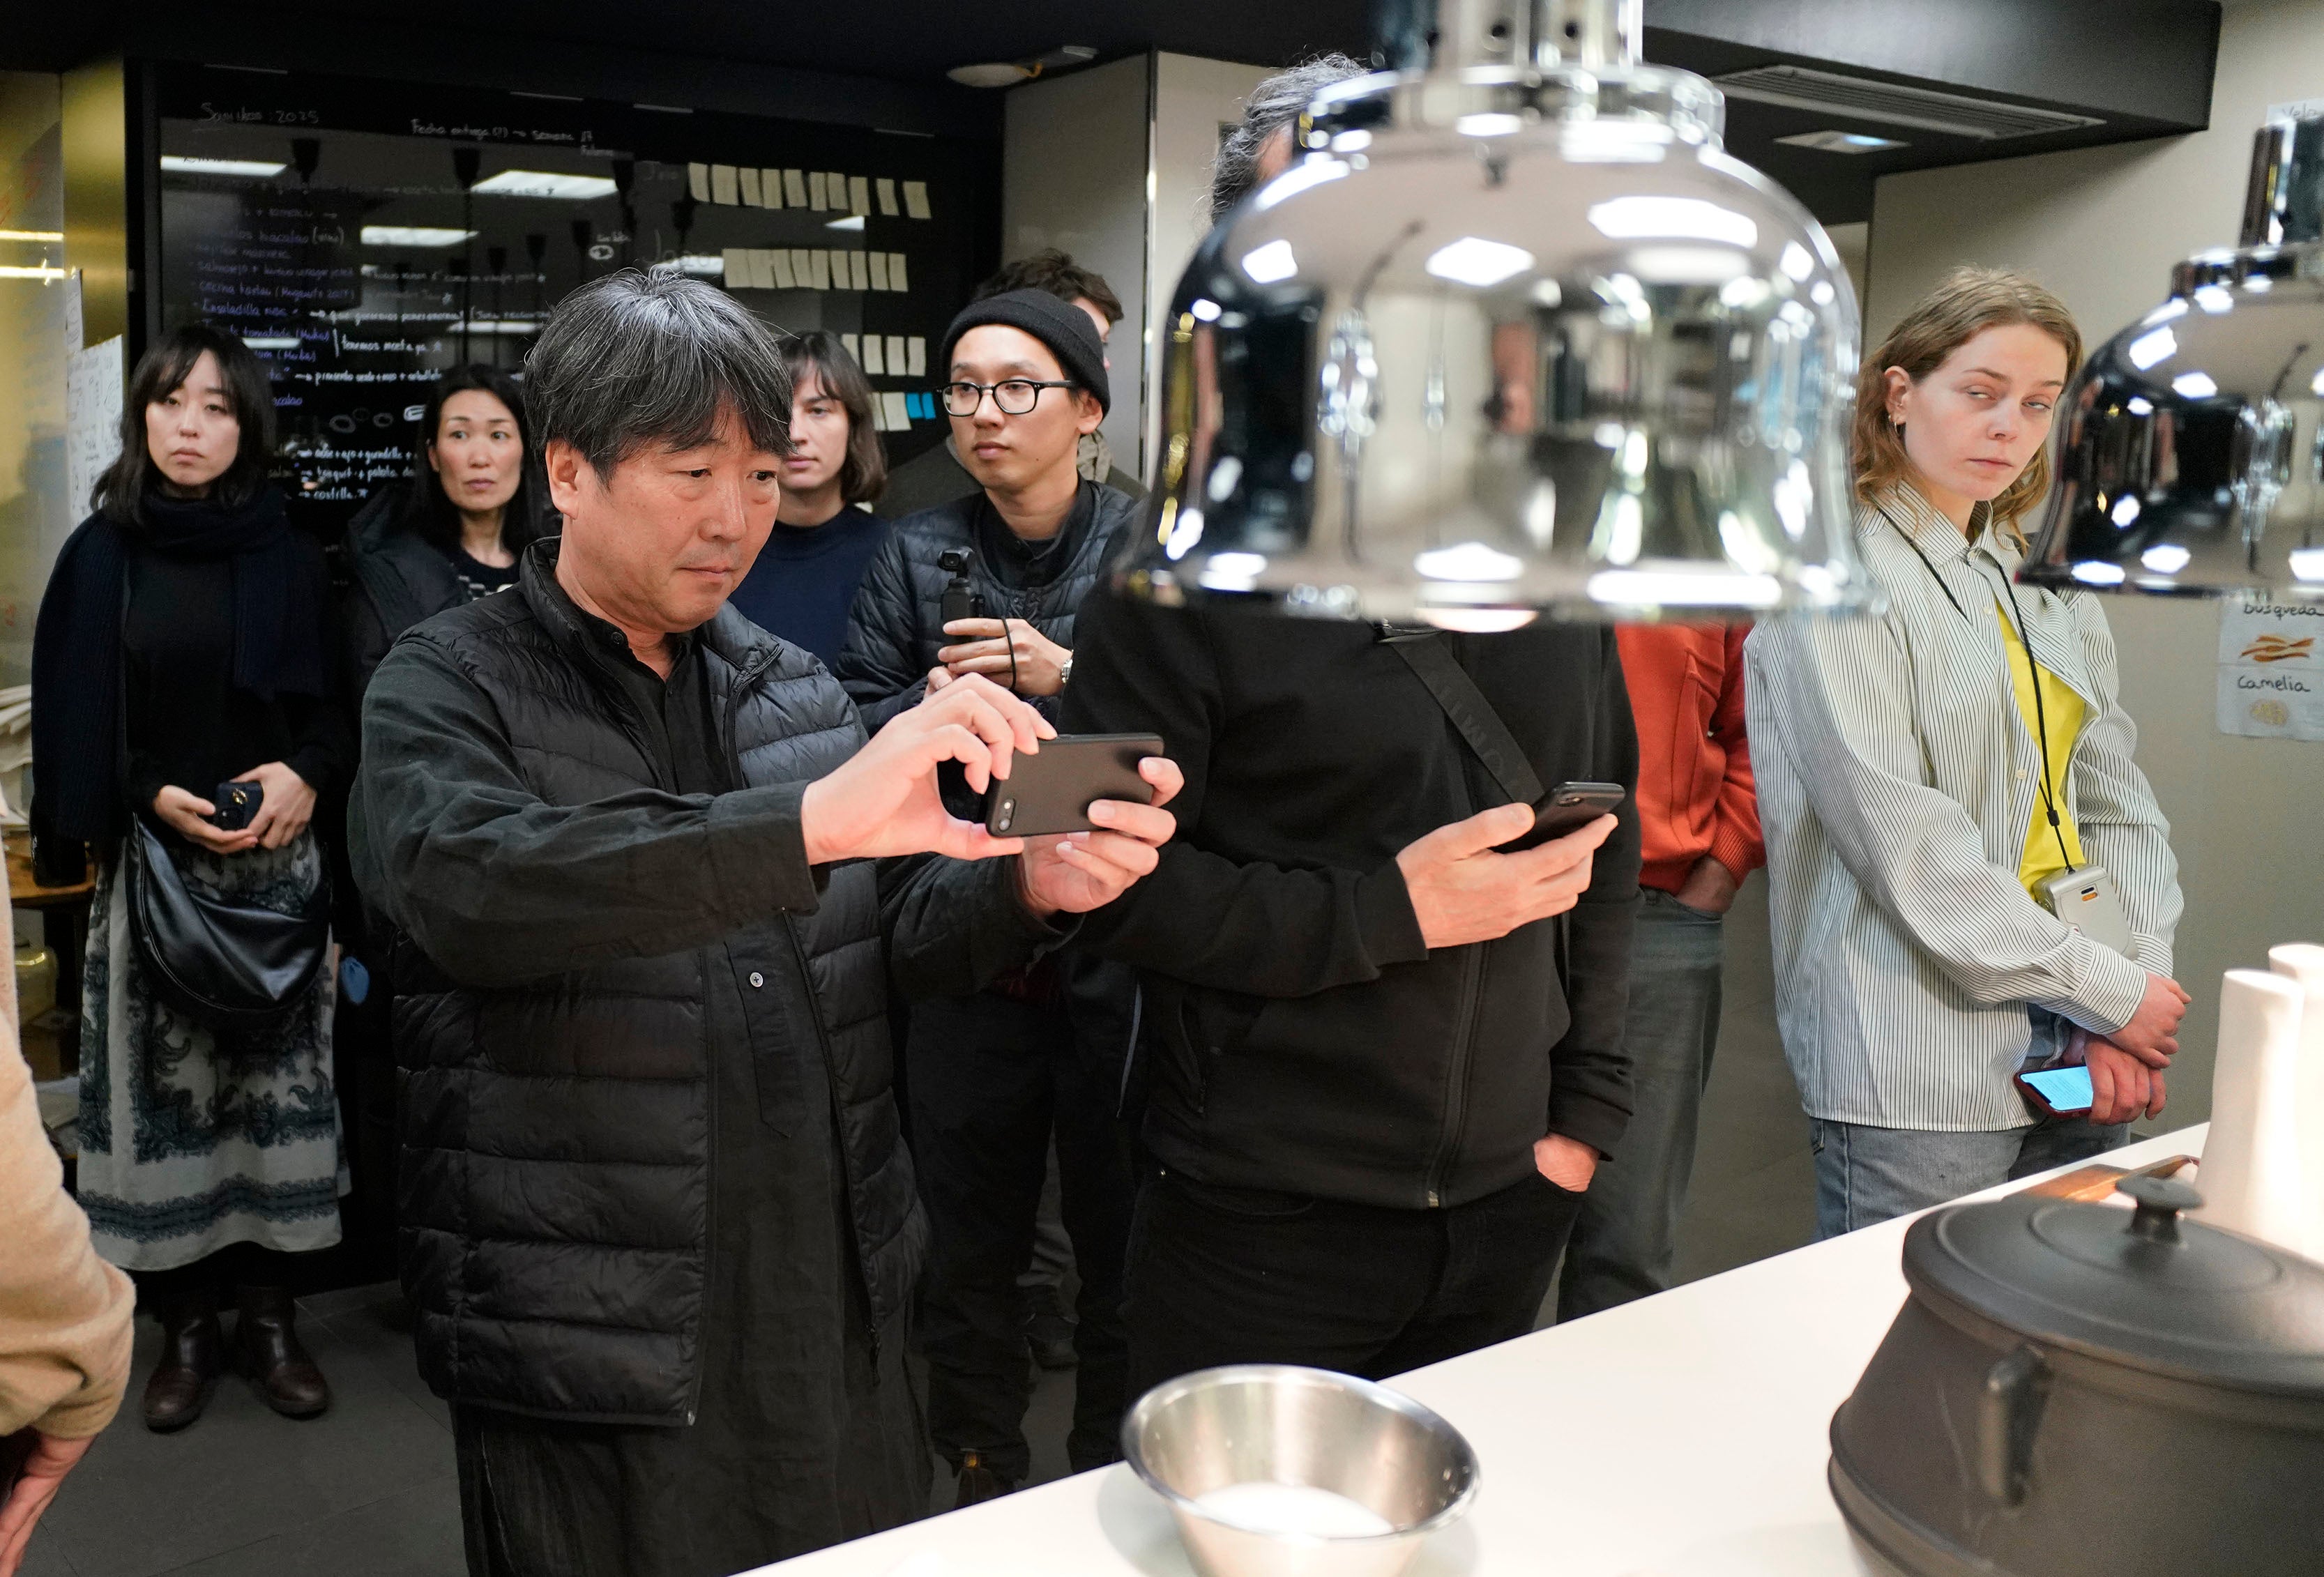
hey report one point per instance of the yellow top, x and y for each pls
(2062, 709)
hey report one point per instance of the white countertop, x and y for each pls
(1683, 1435)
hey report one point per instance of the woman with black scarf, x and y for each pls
(184, 644)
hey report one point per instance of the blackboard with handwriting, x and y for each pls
(363, 236)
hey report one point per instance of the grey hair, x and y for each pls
(655, 356)
(1272, 105)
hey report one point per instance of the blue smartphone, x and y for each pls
(2057, 1092)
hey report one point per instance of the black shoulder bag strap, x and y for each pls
(1432, 662)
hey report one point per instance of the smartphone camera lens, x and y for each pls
(1008, 814)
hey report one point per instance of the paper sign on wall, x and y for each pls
(814, 191)
(794, 192)
(849, 341)
(873, 362)
(779, 266)
(879, 265)
(859, 194)
(915, 200)
(92, 412)
(770, 186)
(722, 184)
(899, 415)
(887, 198)
(747, 178)
(819, 269)
(896, 355)
(915, 358)
(896, 271)
(697, 182)
(2272, 669)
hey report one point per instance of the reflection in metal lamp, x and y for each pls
(2190, 455)
(1513, 335)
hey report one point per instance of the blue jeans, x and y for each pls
(1866, 1175)
(1624, 1238)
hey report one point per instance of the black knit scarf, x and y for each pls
(279, 594)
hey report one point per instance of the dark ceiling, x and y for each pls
(2144, 66)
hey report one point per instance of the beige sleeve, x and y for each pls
(64, 1313)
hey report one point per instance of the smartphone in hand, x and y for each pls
(237, 805)
(1570, 807)
(1051, 792)
(2058, 1092)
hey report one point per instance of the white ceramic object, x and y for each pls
(2252, 1171)
(2304, 962)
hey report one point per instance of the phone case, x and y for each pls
(1051, 792)
(237, 805)
(1568, 807)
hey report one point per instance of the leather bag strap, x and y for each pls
(1430, 659)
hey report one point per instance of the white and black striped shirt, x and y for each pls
(1896, 779)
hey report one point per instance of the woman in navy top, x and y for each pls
(806, 576)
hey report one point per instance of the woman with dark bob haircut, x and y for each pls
(455, 531)
(806, 576)
(184, 657)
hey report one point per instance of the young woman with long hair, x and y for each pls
(1922, 774)
(455, 532)
(185, 643)
(805, 579)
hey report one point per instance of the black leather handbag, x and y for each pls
(232, 966)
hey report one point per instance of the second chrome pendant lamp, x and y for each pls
(1512, 336)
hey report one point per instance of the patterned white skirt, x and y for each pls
(193, 1139)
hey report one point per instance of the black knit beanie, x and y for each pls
(1061, 326)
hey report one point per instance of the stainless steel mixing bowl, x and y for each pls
(1277, 1423)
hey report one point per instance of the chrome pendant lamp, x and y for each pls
(1513, 335)
(2190, 456)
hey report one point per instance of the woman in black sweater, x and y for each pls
(184, 644)
(455, 531)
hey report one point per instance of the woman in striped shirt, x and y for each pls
(1921, 772)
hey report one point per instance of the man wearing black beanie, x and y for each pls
(998, 1064)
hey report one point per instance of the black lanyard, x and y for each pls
(2041, 717)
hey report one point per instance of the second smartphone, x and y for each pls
(1051, 792)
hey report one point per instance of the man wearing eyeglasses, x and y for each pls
(997, 1065)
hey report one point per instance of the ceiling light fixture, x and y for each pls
(1838, 141)
(546, 183)
(1010, 73)
(413, 235)
(180, 164)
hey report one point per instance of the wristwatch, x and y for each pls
(1066, 671)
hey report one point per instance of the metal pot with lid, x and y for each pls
(2075, 1389)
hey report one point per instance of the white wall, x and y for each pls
(2102, 226)
(1193, 98)
(1073, 165)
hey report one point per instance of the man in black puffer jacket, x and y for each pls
(993, 1075)
(657, 1223)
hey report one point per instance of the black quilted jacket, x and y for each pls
(898, 624)
(561, 910)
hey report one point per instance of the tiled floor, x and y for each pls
(367, 1490)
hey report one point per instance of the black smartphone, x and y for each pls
(2057, 1092)
(1568, 807)
(236, 804)
(1052, 792)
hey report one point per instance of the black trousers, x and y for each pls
(992, 1080)
(1239, 1275)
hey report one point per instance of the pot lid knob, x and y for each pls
(2160, 1199)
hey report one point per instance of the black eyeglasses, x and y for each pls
(1010, 396)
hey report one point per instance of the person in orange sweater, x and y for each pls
(1698, 821)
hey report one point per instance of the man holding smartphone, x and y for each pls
(658, 1224)
(1386, 1054)
(998, 1066)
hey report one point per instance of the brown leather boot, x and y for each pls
(266, 1348)
(192, 1354)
